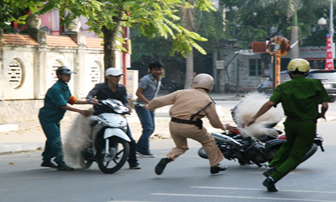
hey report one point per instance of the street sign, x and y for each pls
(329, 64)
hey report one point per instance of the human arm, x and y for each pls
(123, 97)
(161, 101)
(267, 106)
(83, 112)
(324, 108)
(139, 94)
(91, 97)
(83, 102)
(214, 120)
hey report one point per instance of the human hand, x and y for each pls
(85, 113)
(229, 127)
(94, 101)
(248, 122)
(323, 116)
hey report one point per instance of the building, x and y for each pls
(28, 63)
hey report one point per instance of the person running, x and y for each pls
(186, 122)
(300, 98)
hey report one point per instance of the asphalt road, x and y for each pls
(186, 180)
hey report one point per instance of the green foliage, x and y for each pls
(154, 18)
(16, 11)
(259, 20)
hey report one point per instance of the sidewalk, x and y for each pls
(29, 135)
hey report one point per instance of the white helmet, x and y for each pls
(203, 81)
(113, 72)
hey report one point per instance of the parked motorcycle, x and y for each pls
(110, 144)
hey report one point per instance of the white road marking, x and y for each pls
(239, 197)
(253, 189)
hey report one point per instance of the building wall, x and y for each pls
(27, 72)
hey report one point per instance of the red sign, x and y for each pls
(329, 58)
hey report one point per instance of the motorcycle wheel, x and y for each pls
(202, 153)
(112, 161)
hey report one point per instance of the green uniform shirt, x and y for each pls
(300, 97)
(58, 95)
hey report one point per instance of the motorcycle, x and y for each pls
(256, 145)
(266, 86)
(109, 143)
(248, 150)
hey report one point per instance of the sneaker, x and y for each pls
(268, 172)
(148, 155)
(217, 168)
(48, 164)
(135, 167)
(63, 167)
(161, 165)
(269, 183)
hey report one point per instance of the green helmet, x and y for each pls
(298, 64)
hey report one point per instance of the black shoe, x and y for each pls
(217, 168)
(48, 164)
(135, 167)
(63, 167)
(269, 183)
(161, 165)
(268, 172)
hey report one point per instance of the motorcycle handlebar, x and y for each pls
(138, 104)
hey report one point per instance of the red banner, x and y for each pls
(329, 64)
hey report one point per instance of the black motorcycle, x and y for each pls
(248, 150)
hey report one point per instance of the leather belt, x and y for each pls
(198, 122)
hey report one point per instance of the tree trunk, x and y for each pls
(189, 70)
(295, 51)
(110, 37)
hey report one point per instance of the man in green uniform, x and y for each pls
(300, 98)
(55, 105)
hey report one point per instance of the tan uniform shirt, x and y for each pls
(187, 103)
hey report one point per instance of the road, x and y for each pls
(185, 180)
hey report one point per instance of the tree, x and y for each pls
(285, 10)
(154, 18)
(207, 24)
(15, 11)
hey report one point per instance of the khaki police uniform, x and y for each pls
(186, 103)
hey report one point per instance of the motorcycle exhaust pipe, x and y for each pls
(225, 139)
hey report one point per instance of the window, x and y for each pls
(255, 67)
(15, 74)
(95, 73)
(53, 69)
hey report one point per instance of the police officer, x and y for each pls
(55, 105)
(189, 106)
(300, 98)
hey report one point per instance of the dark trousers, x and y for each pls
(300, 137)
(146, 118)
(132, 159)
(53, 145)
